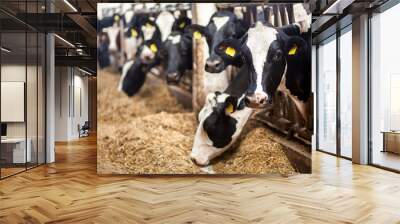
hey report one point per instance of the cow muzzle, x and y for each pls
(199, 161)
(214, 65)
(256, 100)
(173, 77)
(147, 58)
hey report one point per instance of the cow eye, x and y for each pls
(277, 56)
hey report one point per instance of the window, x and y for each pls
(327, 96)
(346, 75)
(385, 89)
(22, 77)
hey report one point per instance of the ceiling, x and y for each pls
(74, 22)
(332, 15)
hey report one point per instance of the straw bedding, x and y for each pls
(152, 134)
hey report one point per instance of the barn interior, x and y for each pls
(50, 46)
(153, 132)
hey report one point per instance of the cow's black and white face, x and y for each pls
(148, 51)
(265, 53)
(223, 25)
(265, 50)
(113, 34)
(221, 122)
(177, 54)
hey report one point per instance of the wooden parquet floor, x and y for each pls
(70, 191)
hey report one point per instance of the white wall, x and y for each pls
(12, 73)
(33, 126)
(61, 103)
(70, 83)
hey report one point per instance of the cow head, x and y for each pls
(223, 25)
(265, 50)
(181, 23)
(149, 51)
(117, 18)
(149, 30)
(221, 121)
(133, 32)
(135, 26)
(177, 51)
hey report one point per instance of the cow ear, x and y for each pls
(132, 32)
(196, 31)
(295, 46)
(230, 104)
(229, 49)
(181, 24)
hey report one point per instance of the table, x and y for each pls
(18, 149)
(391, 141)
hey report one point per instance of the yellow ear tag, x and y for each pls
(229, 108)
(197, 35)
(293, 50)
(153, 48)
(230, 51)
(134, 33)
(182, 25)
(116, 18)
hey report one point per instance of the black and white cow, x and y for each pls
(222, 25)
(102, 50)
(277, 58)
(221, 120)
(113, 31)
(165, 21)
(133, 35)
(134, 71)
(177, 51)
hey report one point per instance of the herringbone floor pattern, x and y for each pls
(70, 191)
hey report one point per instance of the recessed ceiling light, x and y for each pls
(70, 5)
(86, 72)
(338, 6)
(5, 50)
(64, 40)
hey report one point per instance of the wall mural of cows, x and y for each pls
(240, 72)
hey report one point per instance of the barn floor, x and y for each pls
(153, 134)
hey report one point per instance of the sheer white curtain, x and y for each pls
(346, 93)
(327, 96)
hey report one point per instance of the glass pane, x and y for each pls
(327, 96)
(346, 94)
(13, 86)
(385, 84)
(41, 99)
(31, 98)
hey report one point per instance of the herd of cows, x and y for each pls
(267, 59)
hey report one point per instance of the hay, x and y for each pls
(117, 107)
(158, 143)
(256, 154)
(156, 138)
